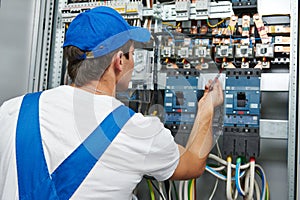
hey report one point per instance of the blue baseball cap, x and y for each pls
(102, 30)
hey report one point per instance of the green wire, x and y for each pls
(189, 189)
(151, 190)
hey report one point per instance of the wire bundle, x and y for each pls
(240, 178)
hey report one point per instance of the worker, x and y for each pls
(78, 141)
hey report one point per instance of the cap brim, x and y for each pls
(137, 34)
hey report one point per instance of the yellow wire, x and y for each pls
(191, 193)
(169, 24)
(217, 24)
(267, 191)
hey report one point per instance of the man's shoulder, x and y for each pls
(12, 103)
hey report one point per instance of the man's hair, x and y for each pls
(82, 70)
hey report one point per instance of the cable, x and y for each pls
(246, 184)
(152, 195)
(220, 160)
(218, 168)
(174, 186)
(217, 24)
(228, 180)
(221, 176)
(180, 189)
(263, 180)
(252, 173)
(214, 190)
(249, 189)
(161, 191)
(257, 190)
(158, 190)
(191, 189)
(185, 190)
(170, 191)
(237, 179)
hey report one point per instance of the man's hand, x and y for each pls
(215, 92)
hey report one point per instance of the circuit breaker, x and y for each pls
(242, 113)
(181, 97)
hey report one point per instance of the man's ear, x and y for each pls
(119, 60)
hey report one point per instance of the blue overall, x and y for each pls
(34, 180)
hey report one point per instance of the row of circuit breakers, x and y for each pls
(191, 37)
(241, 107)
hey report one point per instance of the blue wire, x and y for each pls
(262, 183)
(237, 177)
(217, 173)
(167, 30)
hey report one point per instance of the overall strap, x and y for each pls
(32, 170)
(34, 180)
(71, 172)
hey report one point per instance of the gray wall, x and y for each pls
(16, 22)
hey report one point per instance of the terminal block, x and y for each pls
(182, 9)
(134, 10)
(240, 6)
(242, 113)
(168, 12)
(180, 101)
(224, 51)
(220, 9)
(244, 53)
(265, 52)
(199, 10)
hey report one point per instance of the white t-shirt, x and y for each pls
(67, 116)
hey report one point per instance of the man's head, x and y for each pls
(93, 38)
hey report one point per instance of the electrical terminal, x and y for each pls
(264, 50)
(119, 6)
(182, 9)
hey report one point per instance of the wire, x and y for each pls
(257, 190)
(185, 190)
(180, 189)
(161, 191)
(228, 180)
(263, 179)
(169, 24)
(152, 195)
(237, 179)
(222, 161)
(218, 168)
(246, 173)
(174, 186)
(252, 173)
(214, 190)
(191, 188)
(170, 191)
(221, 176)
(158, 190)
(217, 24)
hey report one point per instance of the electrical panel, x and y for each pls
(191, 40)
(194, 38)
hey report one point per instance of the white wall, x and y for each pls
(16, 22)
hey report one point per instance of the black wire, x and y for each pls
(160, 194)
(167, 186)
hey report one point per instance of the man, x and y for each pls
(61, 153)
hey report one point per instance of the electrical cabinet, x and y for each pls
(193, 41)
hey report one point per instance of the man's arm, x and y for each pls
(193, 157)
